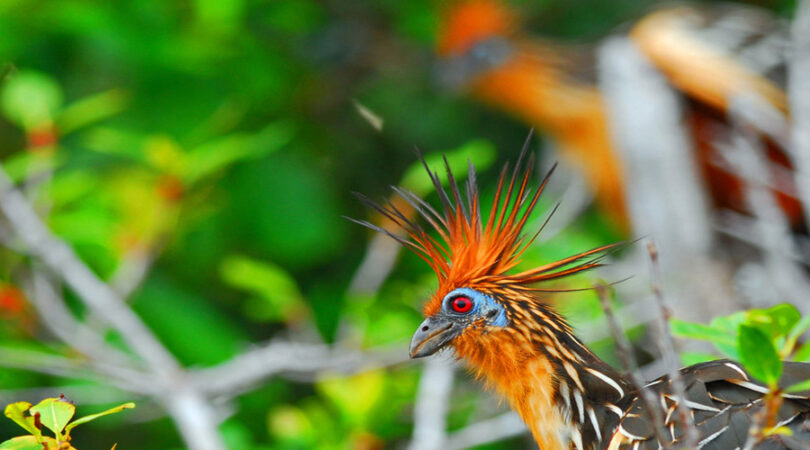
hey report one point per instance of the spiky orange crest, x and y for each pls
(471, 252)
(465, 22)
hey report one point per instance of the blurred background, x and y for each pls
(199, 156)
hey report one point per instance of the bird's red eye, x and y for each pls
(461, 304)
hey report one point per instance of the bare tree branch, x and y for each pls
(623, 352)
(498, 428)
(190, 411)
(50, 364)
(432, 404)
(56, 316)
(61, 260)
(253, 366)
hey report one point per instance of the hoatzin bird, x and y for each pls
(710, 54)
(495, 319)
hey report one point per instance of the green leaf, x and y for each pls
(698, 331)
(30, 99)
(21, 164)
(218, 154)
(115, 141)
(797, 332)
(800, 386)
(776, 321)
(730, 325)
(803, 353)
(356, 395)
(759, 356)
(86, 419)
(91, 109)
(692, 358)
(724, 340)
(28, 443)
(54, 413)
(480, 152)
(280, 297)
(18, 413)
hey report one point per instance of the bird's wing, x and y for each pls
(715, 53)
(722, 400)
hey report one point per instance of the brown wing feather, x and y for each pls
(723, 400)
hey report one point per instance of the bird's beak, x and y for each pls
(433, 334)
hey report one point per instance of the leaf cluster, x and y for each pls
(55, 414)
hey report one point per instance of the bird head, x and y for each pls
(481, 301)
(474, 37)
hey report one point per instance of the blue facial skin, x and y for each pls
(483, 306)
(440, 329)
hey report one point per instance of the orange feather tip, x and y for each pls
(466, 22)
(467, 250)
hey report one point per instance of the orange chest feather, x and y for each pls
(526, 380)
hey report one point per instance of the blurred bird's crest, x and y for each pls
(466, 22)
(471, 252)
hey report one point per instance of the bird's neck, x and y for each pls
(564, 393)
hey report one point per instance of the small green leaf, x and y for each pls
(91, 109)
(725, 341)
(730, 325)
(30, 99)
(803, 353)
(280, 297)
(692, 358)
(800, 386)
(797, 332)
(18, 412)
(54, 413)
(28, 443)
(217, 154)
(759, 356)
(698, 331)
(86, 419)
(355, 396)
(776, 321)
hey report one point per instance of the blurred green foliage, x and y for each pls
(224, 137)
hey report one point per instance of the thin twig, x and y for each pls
(666, 346)
(381, 253)
(623, 352)
(135, 266)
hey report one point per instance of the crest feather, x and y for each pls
(469, 251)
